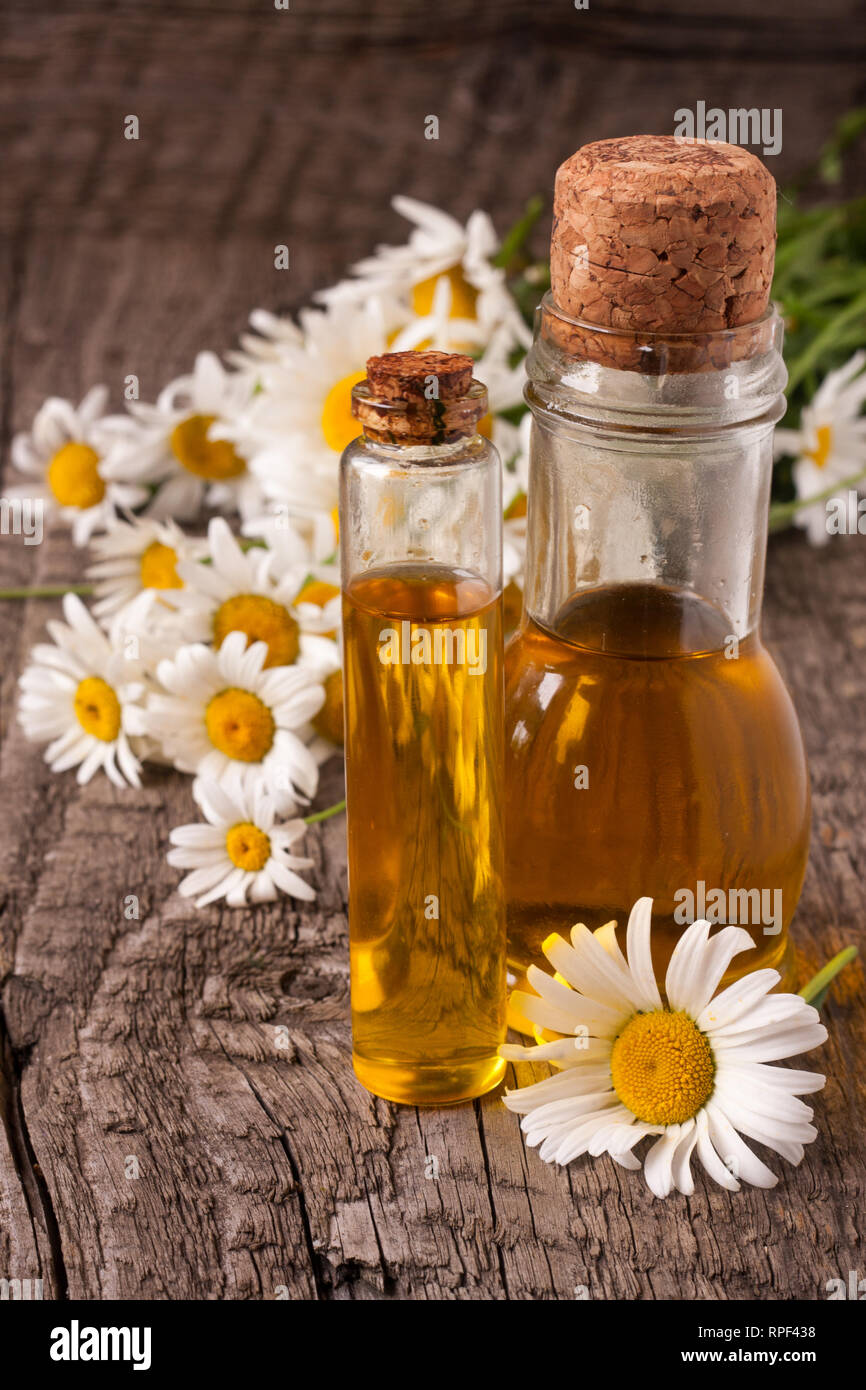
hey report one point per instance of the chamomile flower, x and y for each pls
(224, 716)
(691, 1070)
(134, 556)
(248, 592)
(81, 696)
(441, 254)
(181, 444)
(830, 445)
(438, 245)
(242, 850)
(296, 428)
(64, 456)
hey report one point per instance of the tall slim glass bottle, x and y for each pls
(420, 532)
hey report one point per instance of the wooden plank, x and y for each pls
(248, 125)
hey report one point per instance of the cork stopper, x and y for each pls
(657, 235)
(419, 398)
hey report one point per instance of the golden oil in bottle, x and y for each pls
(648, 754)
(424, 785)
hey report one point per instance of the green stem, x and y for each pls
(816, 989)
(516, 238)
(782, 512)
(807, 359)
(47, 591)
(326, 814)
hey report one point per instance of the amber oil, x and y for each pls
(424, 771)
(646, 754)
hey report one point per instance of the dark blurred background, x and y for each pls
(261, 125)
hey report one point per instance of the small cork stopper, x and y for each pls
(419, 397)
(403, 376)
(655, 234)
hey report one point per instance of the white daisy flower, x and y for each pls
(241, 851)
(82, 697)
(226, 717)
(137, 556)
(65, 457)
(691, 1070)
(440, 253)
(830, 445)
(438, 244)
(181, 443)
(295, 429)
(254, 592)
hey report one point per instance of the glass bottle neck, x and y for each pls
(649, 488)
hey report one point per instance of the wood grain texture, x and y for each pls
(213, 1048)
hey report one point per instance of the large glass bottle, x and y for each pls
(651, 745)
(420, 531)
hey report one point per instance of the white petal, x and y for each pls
(545, 1014)
(698, 964)
(726, 1008)
(737, 1156)
(658, 1164)
(681, 1168)
(639, 954)
(600, 976)
(710, 1159)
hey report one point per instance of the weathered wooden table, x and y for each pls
(155, 1045)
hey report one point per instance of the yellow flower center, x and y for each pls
(328, 721)
(821, 452)
(240, 725)
(248, 847)
(262, 620)
(214, 459)
(97, 708)
(662, 1067)
(157, 569)
(73, 476)
(339, 425)
(317, 591)
(335, 517)
(463, 296)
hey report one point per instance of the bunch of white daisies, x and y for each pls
(261, 434)
(219, 655)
